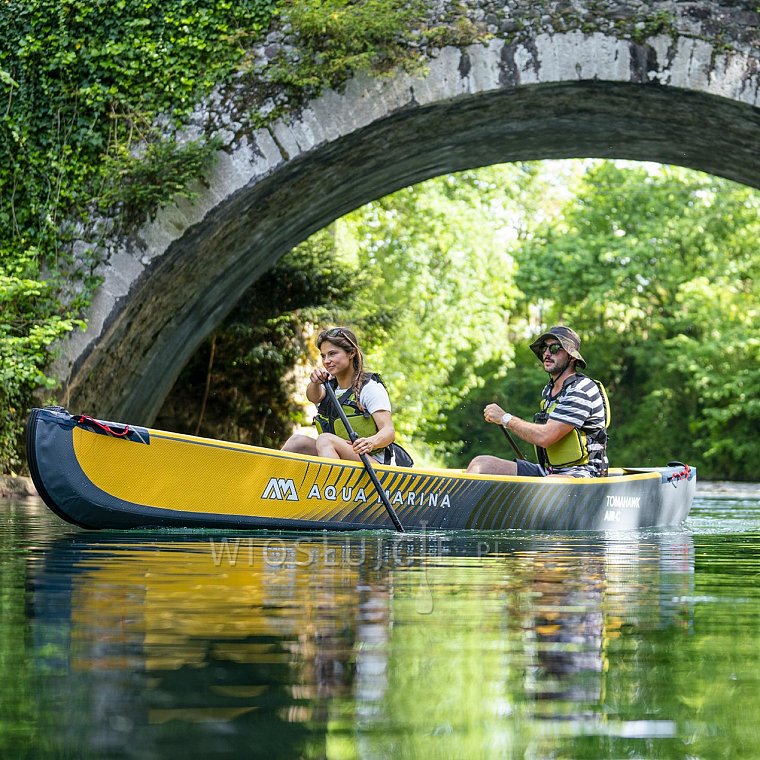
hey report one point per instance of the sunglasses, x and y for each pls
(552, 348)
(335, 332)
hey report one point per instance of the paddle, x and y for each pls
(512, 443)
(365, 459)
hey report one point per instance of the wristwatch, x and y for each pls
(505, 419)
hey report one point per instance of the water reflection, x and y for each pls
(345, 645)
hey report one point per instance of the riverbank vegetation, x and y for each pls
(446, 281)
(93, 95)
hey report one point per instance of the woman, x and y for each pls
(362, 396)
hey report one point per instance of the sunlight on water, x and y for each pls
(510, 644)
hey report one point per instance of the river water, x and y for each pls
(374, 645)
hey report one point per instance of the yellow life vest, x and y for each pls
(572, 449)
(328, 420)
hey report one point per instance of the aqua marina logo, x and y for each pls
(281, 489)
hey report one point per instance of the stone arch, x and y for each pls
(562, 95)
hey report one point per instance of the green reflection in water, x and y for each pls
(18, 708)
(515, 659)
(377, 645)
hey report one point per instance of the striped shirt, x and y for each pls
(581, 405)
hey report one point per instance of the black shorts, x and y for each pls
(528, 469)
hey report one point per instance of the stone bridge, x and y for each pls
(688, 95)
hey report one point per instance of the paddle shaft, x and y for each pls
(365, 459)
(512, 443)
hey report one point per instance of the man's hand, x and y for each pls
(493, 413)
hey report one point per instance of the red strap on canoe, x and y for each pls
(680, 475)
(105, 428)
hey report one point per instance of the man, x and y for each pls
(570, 431)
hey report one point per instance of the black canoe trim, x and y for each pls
(34, 468)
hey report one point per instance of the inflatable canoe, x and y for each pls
(100, 474)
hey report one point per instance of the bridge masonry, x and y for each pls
(674, 82)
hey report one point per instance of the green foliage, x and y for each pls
(459, 32)
(337, 38)
(87, 82)
(447, 280)
(144, 182)
(92, 95)
(24, 340)
(517, 387)
(659, 22)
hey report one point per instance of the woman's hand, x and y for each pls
(314, 390)
(365, 445)
(319, 376)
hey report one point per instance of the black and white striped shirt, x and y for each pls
(581, 405)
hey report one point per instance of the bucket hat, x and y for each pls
(566, 337)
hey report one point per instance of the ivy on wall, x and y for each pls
(91, 94)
